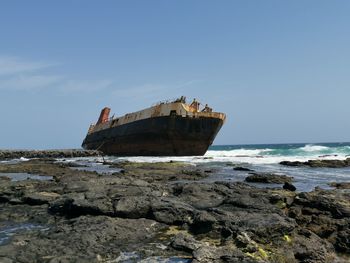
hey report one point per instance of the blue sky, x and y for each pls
(279, 69)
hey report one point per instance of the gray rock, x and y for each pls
(342, 242)
(185, 242)
(288, 186)
(203, 222)
(95, 218)
(68, 153)
(172, 212)
(320, 163)
(133, 207)
(268, 178)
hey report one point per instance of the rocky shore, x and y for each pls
(164, 212)
(68, 153)
(320, 163)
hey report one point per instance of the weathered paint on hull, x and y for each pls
(158, 136)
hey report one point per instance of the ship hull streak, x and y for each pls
(157, 136)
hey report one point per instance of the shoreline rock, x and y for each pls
(65, 153)
(268, 178)
(319, 163)
(163, 210)
(340, 185)
(243, 169)
(289, 186)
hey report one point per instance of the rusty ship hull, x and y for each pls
(169, 130)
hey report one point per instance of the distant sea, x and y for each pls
(263, 153)
(221, 159)
(266, 158)
(274, 153)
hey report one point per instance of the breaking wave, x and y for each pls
(314, 148)
(260, 154)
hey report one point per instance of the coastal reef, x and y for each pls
(319, 163)
(164, 212)
(13, 154)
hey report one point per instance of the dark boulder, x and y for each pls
(133, 207)
(78, 205)
(329, 202)
(172, 212)
(342, 242)
(202, 223)
(244, 169)
(268, 178)
(289, 186)
(311, 249)
(294, 164)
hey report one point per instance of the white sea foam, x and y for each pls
(313, 148)
(236, 156)
(238, 153)
(241, 155)
(13, 161)
(268, 159)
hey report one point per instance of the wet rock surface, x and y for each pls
(243, 169)
(319, 163)
(163, 210)
(268, 178)
(340, 185)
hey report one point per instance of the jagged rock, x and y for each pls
(172, 212)
(320, 163)
(289, 186)
(77, 205)
(81, 239)
(89, 217)
(268, 178)
(212, 254)
(185, 242)
(203, 223)
(312, 249)
(243, 240)
(325, 213)
(133, 207)
(325, 201)
(201, 196)
(39, 198)
(342, 242)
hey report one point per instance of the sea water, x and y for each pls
(261, 158)
(9, 230)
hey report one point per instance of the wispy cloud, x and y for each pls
(13, 65)
(33, 76)
(30, 82)
(20, 74)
